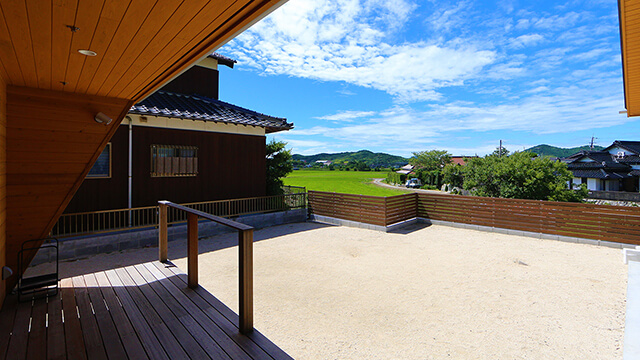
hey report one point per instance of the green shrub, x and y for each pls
(395, 178)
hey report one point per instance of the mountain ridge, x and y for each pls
(549, 150)
(387, 160)
(369, 157)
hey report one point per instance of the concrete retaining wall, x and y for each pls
(335, 221)
(614, 195)
(79, 247)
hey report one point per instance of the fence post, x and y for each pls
(163, 242)
(192, 250)
(246, 280)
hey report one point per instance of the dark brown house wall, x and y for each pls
(197, 80)
(106, 194)
(230, 166)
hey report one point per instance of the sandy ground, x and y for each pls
(325, 292)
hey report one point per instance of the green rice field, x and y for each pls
(348, 182)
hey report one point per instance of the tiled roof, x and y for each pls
(196, 107)
(633, 146)
(601, 159)
(598, 165)
(600, 174)
(630, 159)
(223, 60)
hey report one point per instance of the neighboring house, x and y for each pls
(323, 162)
(184, 145)
(615, 168)
(460, 160)
(406, 170)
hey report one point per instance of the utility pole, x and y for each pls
(500, 149)
(592, 139)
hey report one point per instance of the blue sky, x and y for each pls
(400, 76)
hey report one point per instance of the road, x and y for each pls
(380, 183)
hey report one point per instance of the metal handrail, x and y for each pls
(93, 222)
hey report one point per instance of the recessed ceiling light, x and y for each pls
(87, 52)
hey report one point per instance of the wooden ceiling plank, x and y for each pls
(632, 9)
(223, 29)
(158, 16)
(625, 66)
(63, 15)
(49, 157)
(39, 13)
(187, 42)
(66, 147)
(136, 14)
(46, 168)
(53, 136)
(110, 19)
(163, 39)
(27, 189)
(3, 71)
(19, 41)
(30, 201)
(43, 179)
(86, 20)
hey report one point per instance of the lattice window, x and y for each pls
(172, 160)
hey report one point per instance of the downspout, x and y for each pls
(130, 166)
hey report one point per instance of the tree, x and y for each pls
(430, 160)
(501, 151)
(453, 174)
(279, 165)
(521, 176)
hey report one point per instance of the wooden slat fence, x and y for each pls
(360, 208)
(599, 222)
(400, 207)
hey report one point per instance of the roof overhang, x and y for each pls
(139, 47)
(629, 17)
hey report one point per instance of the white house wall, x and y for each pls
(616, 150)
(197, 125)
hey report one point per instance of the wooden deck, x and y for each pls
(145, 311)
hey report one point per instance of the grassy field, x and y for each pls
(349, 182)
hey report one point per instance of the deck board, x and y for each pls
(38, 331)
(56, 349)
(144, 311)
(228, 326)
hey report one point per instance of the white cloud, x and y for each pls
(546, 111)
(348, 115)
(346, 41)
(526, 40)
(457, 68)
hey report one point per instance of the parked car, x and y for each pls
(414, 183)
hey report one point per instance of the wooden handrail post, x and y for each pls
(246, 280)
(192, 250)
(163, 241)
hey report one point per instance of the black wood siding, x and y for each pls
(230, 166)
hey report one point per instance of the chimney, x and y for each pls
(200, 79)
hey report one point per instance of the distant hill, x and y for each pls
(370, 158)
(548, 150)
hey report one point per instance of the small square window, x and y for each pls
(102, 167)
(173, 160)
